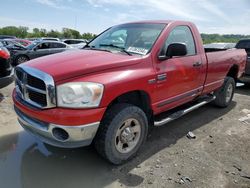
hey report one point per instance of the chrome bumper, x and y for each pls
(71, 137)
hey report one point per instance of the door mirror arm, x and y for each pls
(163, 57)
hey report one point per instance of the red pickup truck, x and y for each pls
(120, 84)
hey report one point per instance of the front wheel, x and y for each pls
(225, 94)
(21, 59)
(121, 133)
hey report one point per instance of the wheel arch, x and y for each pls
(233, 72)
(139, 98)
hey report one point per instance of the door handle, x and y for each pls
(197, 64)
(161, 77)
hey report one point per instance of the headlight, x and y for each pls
(79, 94)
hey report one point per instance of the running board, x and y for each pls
(181, 113)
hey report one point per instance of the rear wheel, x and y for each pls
(121, 133)
(225, 94)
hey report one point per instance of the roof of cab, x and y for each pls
(159, 21)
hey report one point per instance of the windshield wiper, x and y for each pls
(118, 47)
(88, 46)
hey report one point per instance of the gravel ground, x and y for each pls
(219, 156)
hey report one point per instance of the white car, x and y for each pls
(76, 43)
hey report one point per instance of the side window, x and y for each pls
(75, 42)
(42, 46)
(70, 42)
(181, 34)
(57, 45)
(243, 44)
(67, 41)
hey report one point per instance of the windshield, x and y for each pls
(32, 45)
(135, 38)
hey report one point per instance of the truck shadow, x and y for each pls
(33, 164)
(243, 90)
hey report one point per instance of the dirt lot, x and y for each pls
(218, 157)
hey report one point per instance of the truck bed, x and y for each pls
(214, 49)
(219, 63)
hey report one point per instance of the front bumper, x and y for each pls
(58, 135)
(5, 81)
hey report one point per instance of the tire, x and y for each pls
(225, 94)
(114, 133)
(21, 59)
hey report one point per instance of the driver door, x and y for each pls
(179, 79)
(40, 50)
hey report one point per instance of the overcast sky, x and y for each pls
(211, 16)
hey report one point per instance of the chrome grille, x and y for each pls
(35, 87)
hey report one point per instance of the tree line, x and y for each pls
(24, 32)
(211, 38)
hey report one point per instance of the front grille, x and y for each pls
(35, 82)
(38, 97)
(35, 87)
(19, 74)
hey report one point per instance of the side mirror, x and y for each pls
(174, 49)
(35, 49)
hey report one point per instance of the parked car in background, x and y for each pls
(48, 39)
(220, 46)
(12, 46)
(22, 42)
(119, 85)
(31, 39)
(6, 71)
(38, 49)
(245, 44)
(76, 43)
(7, 37)
(9, 42)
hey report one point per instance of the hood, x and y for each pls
(70, 64)
(16, 47)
